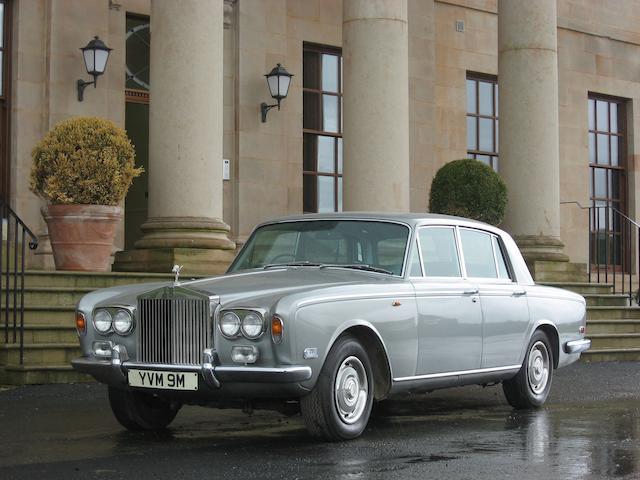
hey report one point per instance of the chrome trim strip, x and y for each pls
(456, 374)
(577, 346)
(363, 296)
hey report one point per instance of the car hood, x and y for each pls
(249, 288)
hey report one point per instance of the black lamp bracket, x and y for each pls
(82, 85)
(264, 108)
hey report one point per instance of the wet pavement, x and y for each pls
(589, 429)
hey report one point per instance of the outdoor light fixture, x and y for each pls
(278, 80)
(95, 55)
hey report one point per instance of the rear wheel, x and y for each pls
(339, 406)
(141, 411)
(530, 387)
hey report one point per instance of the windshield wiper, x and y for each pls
(304, 263)
(361, 266)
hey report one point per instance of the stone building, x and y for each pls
(384, 93)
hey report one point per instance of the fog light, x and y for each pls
(244, 354)
(102, 349)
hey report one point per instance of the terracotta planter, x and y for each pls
(82, 235)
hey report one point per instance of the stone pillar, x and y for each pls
(529, 148)
(185, 143)
(376, 105)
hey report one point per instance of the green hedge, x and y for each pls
(469, 188)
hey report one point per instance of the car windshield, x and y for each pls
(362, 245)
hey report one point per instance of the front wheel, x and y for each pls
(141, 411)
(339, 406)
(530, 387)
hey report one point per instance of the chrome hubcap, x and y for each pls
(351, 390)
(538, 368)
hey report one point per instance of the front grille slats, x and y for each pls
(173, 330)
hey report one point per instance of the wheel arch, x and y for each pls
(554, 337)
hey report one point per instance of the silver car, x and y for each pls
(325, 314)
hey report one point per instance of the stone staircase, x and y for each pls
(50, 340)
(612, 325)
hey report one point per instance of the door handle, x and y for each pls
(519, 293)
(471, 291)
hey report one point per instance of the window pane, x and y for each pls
(495, 147)
(308, 152)
(486, 159)
(326, 151)
(603, 149)
(614, 184)
(330, 73)
(309, 193)
(330, 113)
(472, 141)
(1, 73)
(414, 266)
(311, 111)
(486, 135)
(339, 194)
(591, 113)
(486, 98)
(602, 115)
(592, 148)
(494, 163)
(439, 253)
(503, 272)
(496, 97)
(471, 96)
(340, 156)
(614, 117)
(310, 70)
(478, 254)
(614, 150)
(325, 194)
(600, 182)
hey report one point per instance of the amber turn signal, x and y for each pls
(81, 323)
(277, 329)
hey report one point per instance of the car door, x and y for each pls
(449, 313)
(504, 304)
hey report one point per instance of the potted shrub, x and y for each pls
(469, 188)
(83, 168)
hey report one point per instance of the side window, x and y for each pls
(503, 271)
(439, 252)
(478, 254)
(414, 268)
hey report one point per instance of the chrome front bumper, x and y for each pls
(577, 346)
(114, 370)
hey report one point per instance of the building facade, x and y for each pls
(384, 93)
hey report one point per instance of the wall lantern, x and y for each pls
(95, 55)
(278, 80)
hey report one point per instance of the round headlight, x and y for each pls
(102, 321)
(122, 321)
(252, 325)
(230, 324)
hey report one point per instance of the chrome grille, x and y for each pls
(173, 330)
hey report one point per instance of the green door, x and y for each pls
(137, 126)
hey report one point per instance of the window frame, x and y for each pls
(505, 257)
(494, 156)
(336, 175)
(421, 257)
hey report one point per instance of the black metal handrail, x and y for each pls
(613, 240)
(13, 239)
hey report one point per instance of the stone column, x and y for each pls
(529, 148)
(185, 143)
(376, 105)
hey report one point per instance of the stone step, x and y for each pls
(611, 355)
(550, 266)
(598, 300)
(602, 341)
(92, 280)
(612, 326)
(39, 374)
(42, 333)
(43, 315)
(39, 353)
(582, 287)
(613, 313)
(545, 276)
(49, 296)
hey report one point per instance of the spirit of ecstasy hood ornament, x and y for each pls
(176, 269)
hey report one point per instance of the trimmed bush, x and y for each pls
(469, 188)
(84, 160)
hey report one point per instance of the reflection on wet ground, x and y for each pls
(68, 432)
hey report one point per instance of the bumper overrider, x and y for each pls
(113, 371)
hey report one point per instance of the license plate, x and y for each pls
(163, 380)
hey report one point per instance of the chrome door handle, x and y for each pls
(471, 292)
(519, 293)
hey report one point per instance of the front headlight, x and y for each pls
(230, 325)
(252, 325)
(102, 321)
(122, 322)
